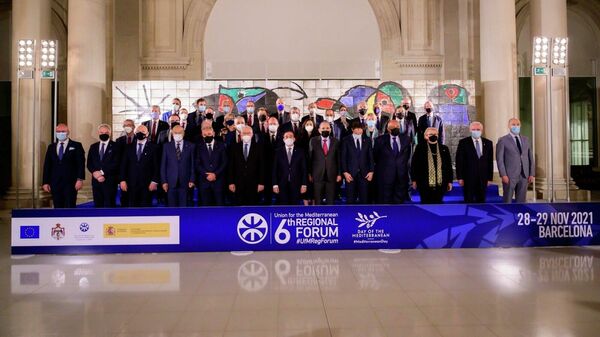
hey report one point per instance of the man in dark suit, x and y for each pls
(357, 165)
(140, 169)
(409, 115)
(104, 162)
(361, 108)
(294, 125)
(195, 118)
(475, 164)
(155, 126)
(281, 115)
(336, 131)
(324, 157)
(211, 165)
(289, 172)
(123, 142)
(64, 169)
(430, 120)
(392, 164)
(166, 136)
(313, 114)
(177, 169)
(246, 169)
(270, 141)
(250, 116)
(344, 122)
(381, 120)
(431, 170)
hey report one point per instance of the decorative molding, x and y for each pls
(171, 63)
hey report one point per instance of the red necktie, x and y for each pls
(250, 120)
(325, 149)
(154, 130)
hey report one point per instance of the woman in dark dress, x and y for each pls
(431, 169)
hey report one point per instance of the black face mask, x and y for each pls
(104, 137)
(400, 115)
(140, 136)
(229, 122)
(395, 132)
(174, 124)
(428, 110)
(208, 139)
(362, 111)
(209, 115)
(262, 118)
(325, 134)
(406, 106)
(433, 138)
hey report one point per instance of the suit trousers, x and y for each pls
(359, 187)
(64, 196)
(516, 187)
(324, 189)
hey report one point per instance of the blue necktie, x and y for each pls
(395, 145)
(61, 151)
(139, 151)
(478, 148)
(102, 151)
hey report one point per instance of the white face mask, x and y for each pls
(343, 113)
(183, 116)
(177, 137)
(313, 111)
(273, 128)
(246, 139)
(295, 117)
(289, 141)
(329, 119)
(309, 128)
(240, 127)
(127, 129)
(175, 107)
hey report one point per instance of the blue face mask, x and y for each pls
(371, 123)
(515, 129)
(280, 107)
(226, 109)
(61, 136)
(202, 108)
(476, 134)
(155, 115)
(250, 109)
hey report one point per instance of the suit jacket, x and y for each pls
(420, 166)
(215, 163)
(392, 167)
(255, 121)
(318, 117)
(283, 118)
(469, 166)
(345, 131)
(437, 123)
(338, 132)
(110, 163)
(122, 142)
(162, 125)
(178, 172)
(382, 123)
(509, 160)
(283, 128)
(354, 161)
(320, 164)
(164, 137)
(246, 172)
(295, 170)
(147, 169)
(65, 172)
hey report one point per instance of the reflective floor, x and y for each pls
(487, 292)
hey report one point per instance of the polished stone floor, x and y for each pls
(477, 292)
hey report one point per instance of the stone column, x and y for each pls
(31, 19)
(87, 95)
(498, 49)
(549, 18)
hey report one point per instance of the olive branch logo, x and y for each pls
(368, 220)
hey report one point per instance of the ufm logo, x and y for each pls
(368, 220)
(252, 228)
(84, 227)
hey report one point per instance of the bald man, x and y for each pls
(475, 164)
(64, 169)
(515, 163)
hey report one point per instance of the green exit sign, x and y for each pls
(540, 71)
(48, 74)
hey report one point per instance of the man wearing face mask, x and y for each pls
(392, 162)
(128, 136)
(408, 114)
(167, 135)
(155, 126)
(220, 120)
(64, 169)
(176, 105)
(211, 165)
(362, 111)
(343, 123)
(104, 162)
(209, 115)
(381, 120)
(431, 170)
(183, 116)
(357, 165)
(270, 141)
(313, 114)
(294, 125)
(228, 132)
(325, 171)
(195, 118)
(140, 169)
(177, 171)
(250, 116)
(430, 120)
(330, 118)
(246, 169)
(240, 123)
(282, 115)
(289, 174)
(475, 164)
(515, 163)
(261, 128)
(406, 126)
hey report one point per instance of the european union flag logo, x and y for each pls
(30, 232)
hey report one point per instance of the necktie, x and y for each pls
(154, 130)
(250, 120)
(178, 151)
(478, 148)
(429, 123)
(139, 151)
(295, 127)
(325, 148)
(519, 145)
(102, 151)
(61, 151)
(289, 155)
(358, 144)
(395, 145)
(129, 139)
(272, 138)
(245, 151)
(209, 150)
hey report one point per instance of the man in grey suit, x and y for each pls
(515, 163)
(325, 172)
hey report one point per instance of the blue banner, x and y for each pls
(74, 231)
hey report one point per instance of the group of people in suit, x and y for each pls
(255, 157)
